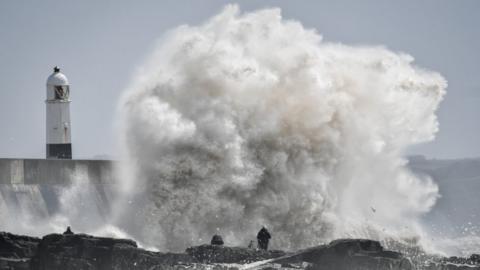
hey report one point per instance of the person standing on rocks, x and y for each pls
(68, 231)
(217, 240)
(263, 237)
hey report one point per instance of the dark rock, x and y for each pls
(455, 263)
(80, 251)
(448, 266)
(475, 259)
(124, 257)
(77, 251)
(16, 251)
(222, 254)
(17, 246)
(85, 252)
(351, 254)
(14, 264)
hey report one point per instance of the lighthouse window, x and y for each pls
(61, 92)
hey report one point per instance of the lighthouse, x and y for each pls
(59, 145)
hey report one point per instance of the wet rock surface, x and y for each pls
(353, 254)
(16, 251)
(222, 254)
(455, 263)
(81, 251)
(17, 246)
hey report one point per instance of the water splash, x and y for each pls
(42, 208)
(251, 119)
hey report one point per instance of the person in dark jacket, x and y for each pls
(263, 237)
(217, 240)
(68, 231)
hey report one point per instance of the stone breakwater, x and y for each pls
(86, 252)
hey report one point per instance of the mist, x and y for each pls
(250, 119)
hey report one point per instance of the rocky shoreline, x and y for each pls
(86, 252)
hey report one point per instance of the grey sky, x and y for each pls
(98, 44)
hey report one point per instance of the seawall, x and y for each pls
(55, 171)
(39, 196)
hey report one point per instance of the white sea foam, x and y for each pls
(251, 119)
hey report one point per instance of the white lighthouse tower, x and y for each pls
(59, 145)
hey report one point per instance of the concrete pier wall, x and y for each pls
(55, 171)
(36, 195)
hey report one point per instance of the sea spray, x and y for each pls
(251, 119)
(42, 208)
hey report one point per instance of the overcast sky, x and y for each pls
(98, 45)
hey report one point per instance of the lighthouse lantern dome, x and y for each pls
(57, 78)
(57, 86)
